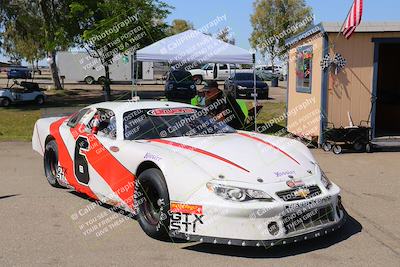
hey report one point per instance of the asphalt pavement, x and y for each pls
(41, 225)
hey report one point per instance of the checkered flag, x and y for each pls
(340, 62)
(325, 62)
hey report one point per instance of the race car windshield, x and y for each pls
(173, 122)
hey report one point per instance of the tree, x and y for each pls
(110, 29)
(23, 37)
(41, 25)
(59, 30)
(180, 25)
(274, 21)
(225, 35)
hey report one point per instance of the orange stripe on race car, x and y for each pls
(198, 150)
(120, 179)
(65, 160)
(269, 144)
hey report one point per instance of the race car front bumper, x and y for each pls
(263, 243)
(257, 223)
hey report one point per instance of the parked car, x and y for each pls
(19, 73)
(212, 71)
(29, 92)
(265, 72)
(179, 85)
(188, 176)
(242, 85)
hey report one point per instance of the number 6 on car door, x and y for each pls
(81, 169)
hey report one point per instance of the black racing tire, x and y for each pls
(336, 149)
(152, 203)
(5, 102)
(89, 80)
(198, 79)
(39, 100)
(51, 163)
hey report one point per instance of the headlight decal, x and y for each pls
(238, 194)
(325, 180)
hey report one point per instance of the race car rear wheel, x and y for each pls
(51, 163)
(152, 203)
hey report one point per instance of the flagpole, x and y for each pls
(341, 28)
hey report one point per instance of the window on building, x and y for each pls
(304, 69)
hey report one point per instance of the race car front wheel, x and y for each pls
(152, 203)
(51, 163)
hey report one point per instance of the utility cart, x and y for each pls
(357, 138)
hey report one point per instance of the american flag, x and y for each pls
(353, 19)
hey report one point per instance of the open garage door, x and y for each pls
(387, 115)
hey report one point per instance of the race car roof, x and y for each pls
(124, 106)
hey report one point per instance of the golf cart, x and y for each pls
(26, 92)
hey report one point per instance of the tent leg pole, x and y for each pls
(132, 73)
(255, 96)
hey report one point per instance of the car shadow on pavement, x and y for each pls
(350, 228)
(7, 196)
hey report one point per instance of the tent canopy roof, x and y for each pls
(193, 47)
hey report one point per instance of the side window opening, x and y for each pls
(103, 124)
(73, 121)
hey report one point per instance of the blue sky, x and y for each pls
(238, 13)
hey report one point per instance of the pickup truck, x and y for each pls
(213, 71)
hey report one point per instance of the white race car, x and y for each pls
(186, 175)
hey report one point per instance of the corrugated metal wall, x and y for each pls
(350, 90)
(305, 121)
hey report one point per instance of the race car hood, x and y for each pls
(243, 157)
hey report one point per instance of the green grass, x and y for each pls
(270, 111)
(17, 125)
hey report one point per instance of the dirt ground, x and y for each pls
(39, 227)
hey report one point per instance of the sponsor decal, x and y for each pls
(152, 157)
(302, 192)
(170, 111)
(183, 222)
(186, 208)
(61, 175)
(282, 173)
(304, 205)
(295, 183)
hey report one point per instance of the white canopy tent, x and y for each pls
(194, 47)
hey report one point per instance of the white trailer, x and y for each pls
(80, 66)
